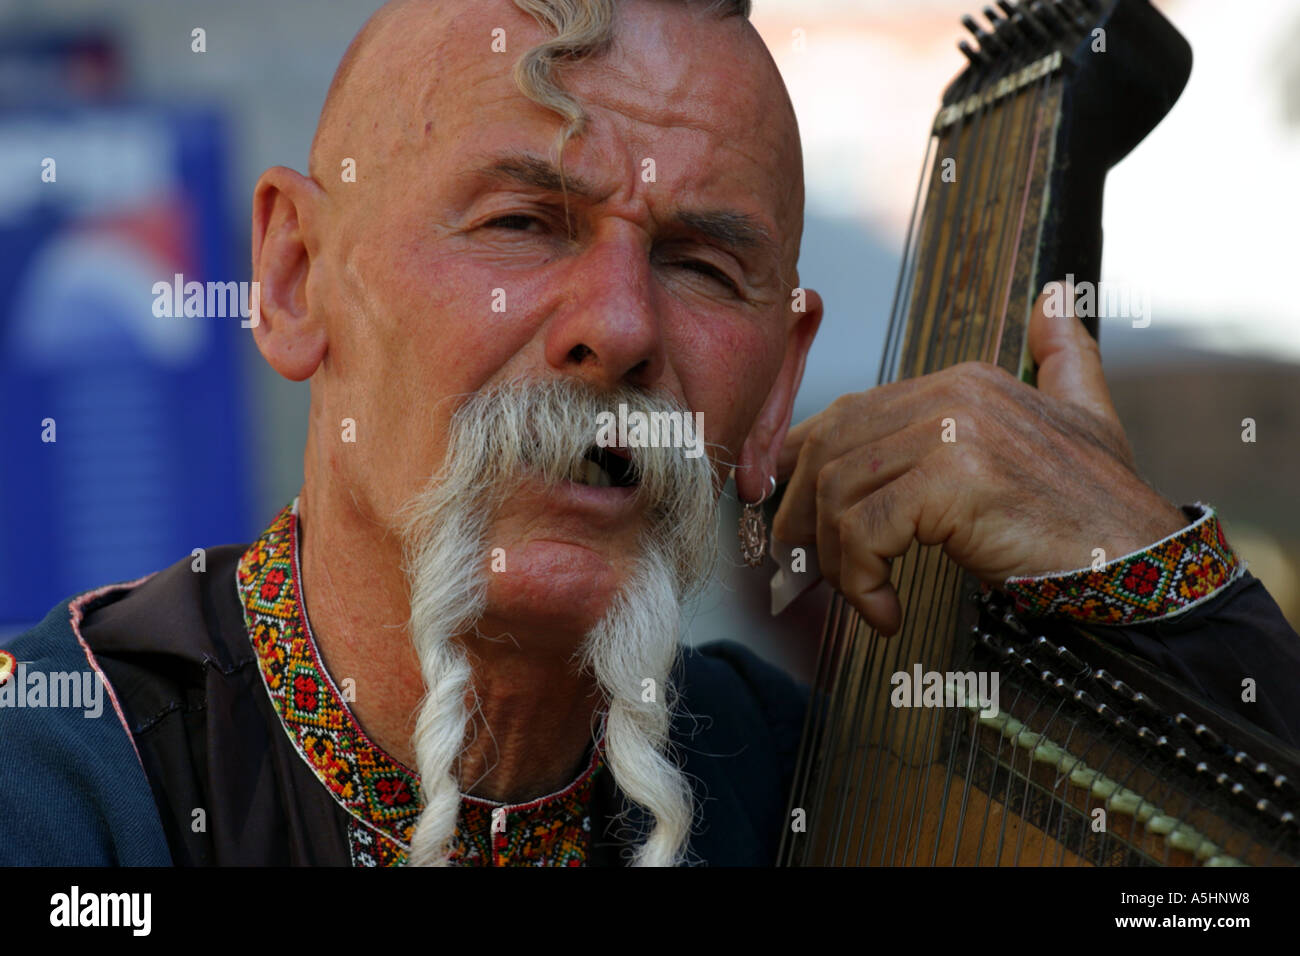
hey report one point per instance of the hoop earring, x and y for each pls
(753, 530)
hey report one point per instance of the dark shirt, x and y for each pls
(176, 653)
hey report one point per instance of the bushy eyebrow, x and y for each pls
(726, 227)
(729, 228)
(529, 170)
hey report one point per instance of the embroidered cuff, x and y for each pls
(1168, 578)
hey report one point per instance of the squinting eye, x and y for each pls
(516, 222)
(712, 272)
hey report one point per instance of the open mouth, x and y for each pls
(605, 468)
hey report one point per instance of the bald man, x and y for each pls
(460, 643)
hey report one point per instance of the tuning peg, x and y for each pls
(976, 57)
(989, 43)
(1028, 22)
(1010, 30)
(1052, 18)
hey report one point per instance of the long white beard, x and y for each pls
(545, 429)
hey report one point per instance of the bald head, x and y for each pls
(369, 77)
(387, 83)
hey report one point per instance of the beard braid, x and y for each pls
(545, 429)
(637, 641)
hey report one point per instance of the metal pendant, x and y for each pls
(753, 535)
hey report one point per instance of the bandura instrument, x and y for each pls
(1093, 757)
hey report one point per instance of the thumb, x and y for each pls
(1069, 359)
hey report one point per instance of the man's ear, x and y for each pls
(758, 455)
(286, 206)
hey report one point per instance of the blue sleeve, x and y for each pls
(72, 791)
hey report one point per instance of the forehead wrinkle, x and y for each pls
(679, 92)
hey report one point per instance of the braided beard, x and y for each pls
(546, 429)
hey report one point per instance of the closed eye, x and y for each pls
(709, 270)
(517, 222)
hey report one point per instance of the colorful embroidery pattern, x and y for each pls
(554, 830)
(369, 848)
(367, 782)
(1167, 578)
(381, 794)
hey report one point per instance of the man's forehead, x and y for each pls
(669, 62)
(672, 74)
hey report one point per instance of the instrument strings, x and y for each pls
(1016, 193)
(948, 270)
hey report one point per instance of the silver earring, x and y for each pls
(753, 530)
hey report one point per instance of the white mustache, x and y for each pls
(546, 428)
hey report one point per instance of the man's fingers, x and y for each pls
(875, 531)
(819, 492)
(858, 418)
(1069, 361)
(879, 608)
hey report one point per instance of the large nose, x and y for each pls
(608, 331)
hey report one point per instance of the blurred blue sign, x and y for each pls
(123, 438)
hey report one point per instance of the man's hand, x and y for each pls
(1031, 482)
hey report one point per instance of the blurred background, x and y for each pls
(173, 434)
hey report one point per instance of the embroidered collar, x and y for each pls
(380, 793)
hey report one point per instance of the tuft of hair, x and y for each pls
(581, 28)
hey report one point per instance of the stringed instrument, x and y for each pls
(1054, 94)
